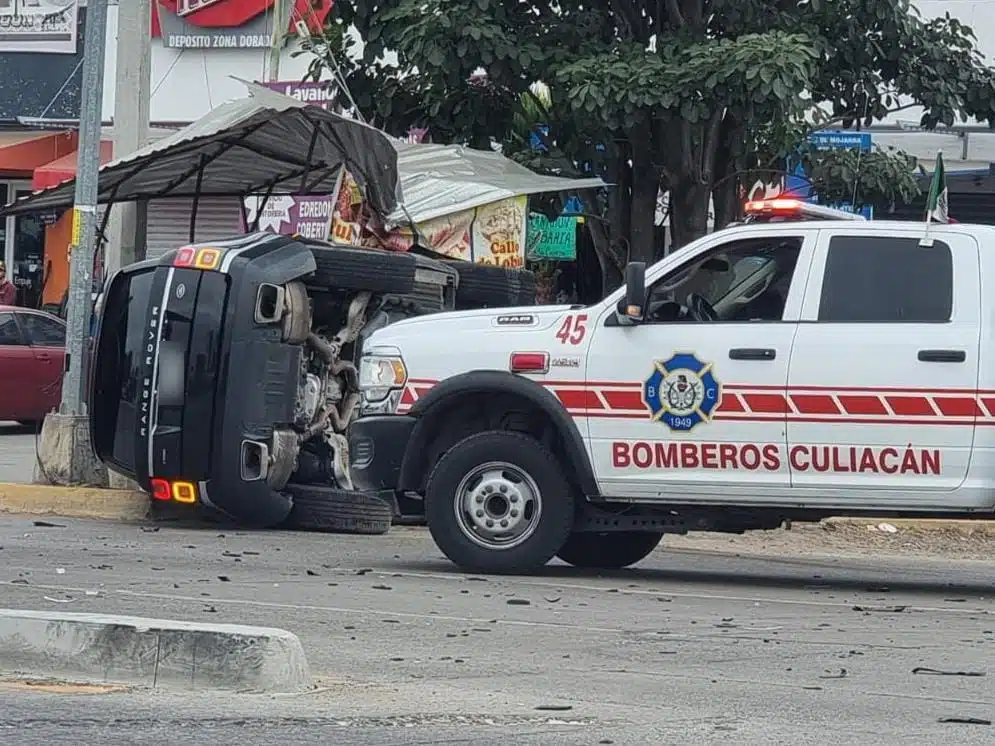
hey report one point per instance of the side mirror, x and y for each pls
(632, 306)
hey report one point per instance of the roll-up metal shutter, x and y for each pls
(169, 222)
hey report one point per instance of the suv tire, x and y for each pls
(319, 508)
(434, 285)
(483, 479)
(608, 551)
(487, 286)
(364, 269)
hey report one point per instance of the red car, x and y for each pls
(32, 358)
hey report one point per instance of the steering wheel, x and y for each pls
(700, 309)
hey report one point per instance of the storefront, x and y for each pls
(23, 238)
(199, 48)
(41, 52)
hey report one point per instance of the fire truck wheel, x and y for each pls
(608, 551)
(499, 502)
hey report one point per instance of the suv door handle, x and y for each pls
(752, 353)
(942, 356)
(44, 356)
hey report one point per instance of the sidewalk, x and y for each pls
(17, 453)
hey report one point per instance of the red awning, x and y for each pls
(23, 152)
(54, 173)
(230, 14)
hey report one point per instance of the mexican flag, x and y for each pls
(936, 203)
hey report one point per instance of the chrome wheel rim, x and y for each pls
(498, 506)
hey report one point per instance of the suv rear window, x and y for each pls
(117, 368)
(884, 280)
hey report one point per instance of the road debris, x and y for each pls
(880, 609)
(937, 672)
(841, 675)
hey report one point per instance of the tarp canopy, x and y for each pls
(267, 142)
(441, 180)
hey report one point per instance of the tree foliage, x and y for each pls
(689, 96)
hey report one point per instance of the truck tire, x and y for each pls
(608, 551)
(487, 286)
(499, 502)
(319, 508)
(364, 269)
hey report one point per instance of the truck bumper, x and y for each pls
(376, 451)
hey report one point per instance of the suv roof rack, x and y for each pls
(781, 209)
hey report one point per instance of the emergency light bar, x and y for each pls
(795, 209)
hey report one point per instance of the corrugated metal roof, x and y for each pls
(440, 180)
(246, 146)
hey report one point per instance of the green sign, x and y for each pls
(552, 240)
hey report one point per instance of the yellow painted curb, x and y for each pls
(982, 526)
(74, 502)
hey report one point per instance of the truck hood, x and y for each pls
(510, 320)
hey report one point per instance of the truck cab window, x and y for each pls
(881, 279)
(743, 281)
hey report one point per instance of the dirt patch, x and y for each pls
(58, 687)
(843, 539)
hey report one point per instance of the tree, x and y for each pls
(690, 96)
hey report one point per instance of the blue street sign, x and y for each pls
(834, 139)
(797, 183)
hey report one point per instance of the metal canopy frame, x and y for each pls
(266, 143)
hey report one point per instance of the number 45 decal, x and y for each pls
(573, 329)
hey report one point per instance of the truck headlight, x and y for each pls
(381, 373)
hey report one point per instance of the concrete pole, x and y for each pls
(85, 210)
(65, 453)
(132, 92)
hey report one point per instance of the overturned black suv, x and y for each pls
(224, 373)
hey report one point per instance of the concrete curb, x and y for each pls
(73, 502)
(153, 653)
(960, 526)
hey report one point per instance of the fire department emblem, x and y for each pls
(682, 392)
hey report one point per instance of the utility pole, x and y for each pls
(132, 94)
(279, 34)
(77, 463)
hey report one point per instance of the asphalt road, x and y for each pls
(692, 647)
(17, 453)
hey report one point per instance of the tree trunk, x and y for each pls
(645, 190)
(725, 199)
(688, 212)
(608, 259)
(620, 196)
(730, 158)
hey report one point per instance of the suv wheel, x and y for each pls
(487, 286)
(363, 269)
(326, 509)
(608, 551)
(499, 502)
